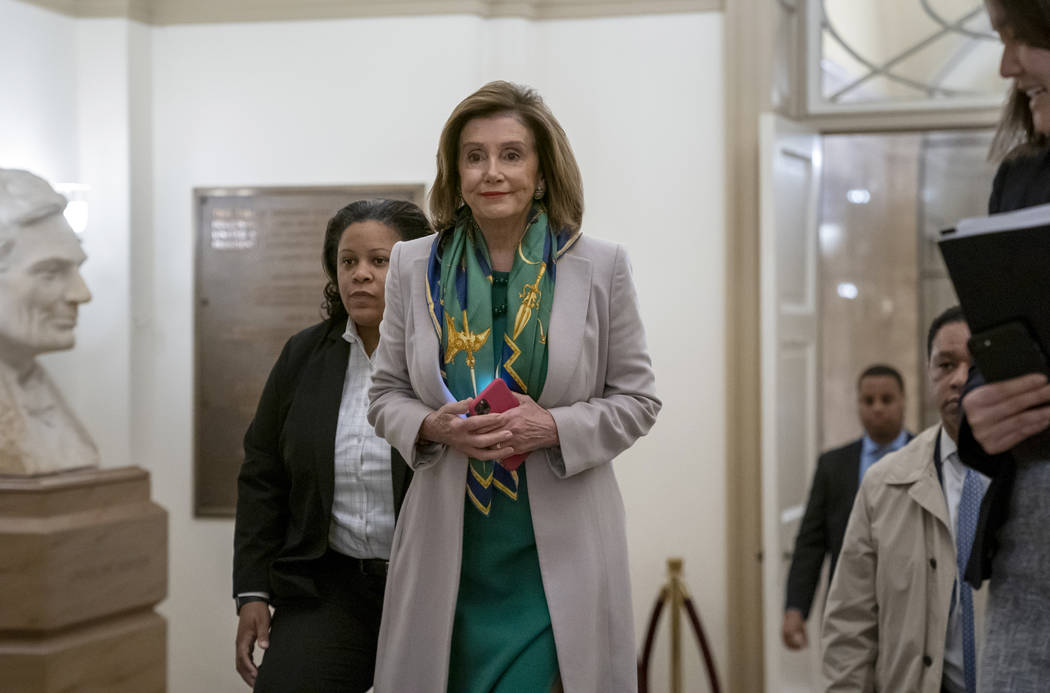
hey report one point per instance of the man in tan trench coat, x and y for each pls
(890, 623)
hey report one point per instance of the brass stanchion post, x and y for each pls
(674, 572)
(675, 593)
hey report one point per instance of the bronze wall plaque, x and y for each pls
(259, 281)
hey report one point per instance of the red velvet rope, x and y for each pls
(650, 637)
(709, 661)
(647, 648)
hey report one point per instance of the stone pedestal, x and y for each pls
(83, 561)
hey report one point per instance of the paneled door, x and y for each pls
(790, 196)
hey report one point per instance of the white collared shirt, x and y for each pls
(953, 473)
(363, 503)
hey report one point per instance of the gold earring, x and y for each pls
(540, 190)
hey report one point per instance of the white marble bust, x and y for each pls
(40, 291)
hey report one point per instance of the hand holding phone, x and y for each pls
(1007, 351)
(496, 399)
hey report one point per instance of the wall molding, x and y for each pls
(903, 120)
(749, 40)
(165, 12)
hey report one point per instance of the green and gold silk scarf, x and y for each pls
(459, 279)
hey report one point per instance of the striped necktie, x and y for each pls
(969, 509)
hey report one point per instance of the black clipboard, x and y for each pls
(1000, 267)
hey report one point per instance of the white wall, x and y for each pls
(363, 101)
(96, 376)
(63, 116)
(38, 129)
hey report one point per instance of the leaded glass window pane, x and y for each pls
(902, 53)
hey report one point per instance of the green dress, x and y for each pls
(502, 640)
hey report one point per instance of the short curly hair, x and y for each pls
(564, 195)
(405, 218)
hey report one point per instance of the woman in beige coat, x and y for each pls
(502, 579)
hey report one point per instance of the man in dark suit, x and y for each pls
(880, 404)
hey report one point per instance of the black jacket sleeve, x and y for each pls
(811, 545)
(996, 503)
(262, 486)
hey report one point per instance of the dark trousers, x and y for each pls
(326, 645)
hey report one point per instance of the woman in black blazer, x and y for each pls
(319, 492)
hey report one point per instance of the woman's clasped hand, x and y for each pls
(524, 428)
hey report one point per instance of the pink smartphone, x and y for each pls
(496, 399)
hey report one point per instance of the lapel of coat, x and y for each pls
(425, 367)
(325, 378)
(918, 471)
(572, 295)
(927, 492)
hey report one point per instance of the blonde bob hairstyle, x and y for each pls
(564, 187)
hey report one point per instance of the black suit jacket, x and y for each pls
(827, 511)
(835, 484)
(287, 480)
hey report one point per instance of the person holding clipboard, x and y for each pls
(1005, 430)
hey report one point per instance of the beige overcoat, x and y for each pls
(601, 392)
(887, 611)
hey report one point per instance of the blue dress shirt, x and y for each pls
(871, 452)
